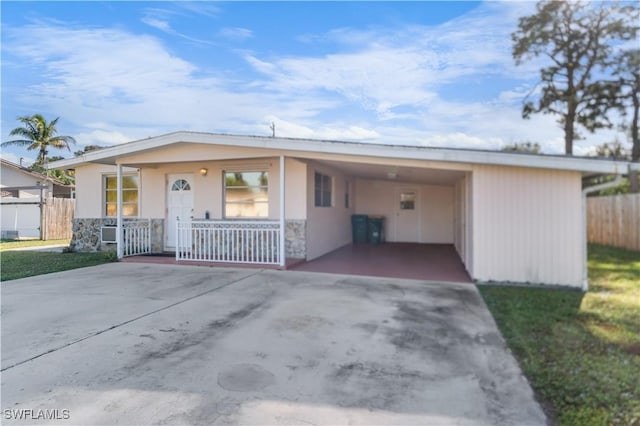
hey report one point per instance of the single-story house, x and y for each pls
(22, 193)
(231, 198)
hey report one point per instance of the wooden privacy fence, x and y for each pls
(614, 220)
(57, 218)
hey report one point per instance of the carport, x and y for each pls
(425, 209)
(432, 262)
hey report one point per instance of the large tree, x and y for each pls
(628, 73)
(576, 39)
(86, 149)
(65, 176)
(38, 134)
(526, 147)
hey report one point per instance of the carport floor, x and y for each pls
(434, 262)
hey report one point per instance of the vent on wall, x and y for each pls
(108, 234)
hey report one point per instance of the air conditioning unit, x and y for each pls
(9, 235)
(108, 234)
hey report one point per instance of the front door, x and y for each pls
(407, 209)
(179, 204)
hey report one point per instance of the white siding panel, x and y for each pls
(328, 228)
(296, 189)
(527, 225)
(437, 214)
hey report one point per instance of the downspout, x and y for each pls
(585, 192)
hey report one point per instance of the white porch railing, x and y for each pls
(137, 236)
(228, 241)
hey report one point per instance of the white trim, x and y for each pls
(331, 188)
(119, 231)
(283, 251)
(357, 149)
(105, 201)
(226, 170)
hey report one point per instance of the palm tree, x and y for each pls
(38, 134)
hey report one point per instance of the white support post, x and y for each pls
(119, 227)
(283, 251)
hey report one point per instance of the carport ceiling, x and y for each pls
(397, 173)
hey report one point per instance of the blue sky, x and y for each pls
(418, 73)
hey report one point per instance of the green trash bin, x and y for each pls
(375, 230)
(359, 223)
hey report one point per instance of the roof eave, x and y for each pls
(584, 165)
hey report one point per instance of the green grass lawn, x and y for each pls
(13, 244)
(580, 351)
(20, 264)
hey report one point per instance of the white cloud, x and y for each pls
(157, 23)
(337, 131)
(386, 85)
(384, 69)
(159, 19)
(16, 158)
(102, 138)
(131, 86)
(377, 80)
(235, 33)
(204, 8)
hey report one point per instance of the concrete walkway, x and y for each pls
(128, 343)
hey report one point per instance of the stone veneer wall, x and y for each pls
(86, 235)
(157, 235)
(296, 238)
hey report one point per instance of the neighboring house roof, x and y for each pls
(454, 155)
(34, 174)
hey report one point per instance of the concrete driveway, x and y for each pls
(129, 343)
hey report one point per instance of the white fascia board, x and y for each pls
(585, 165)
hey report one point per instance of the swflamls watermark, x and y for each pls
(39, 414)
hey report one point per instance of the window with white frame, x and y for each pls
(323, 190)
(130, 195)
(246, 194)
